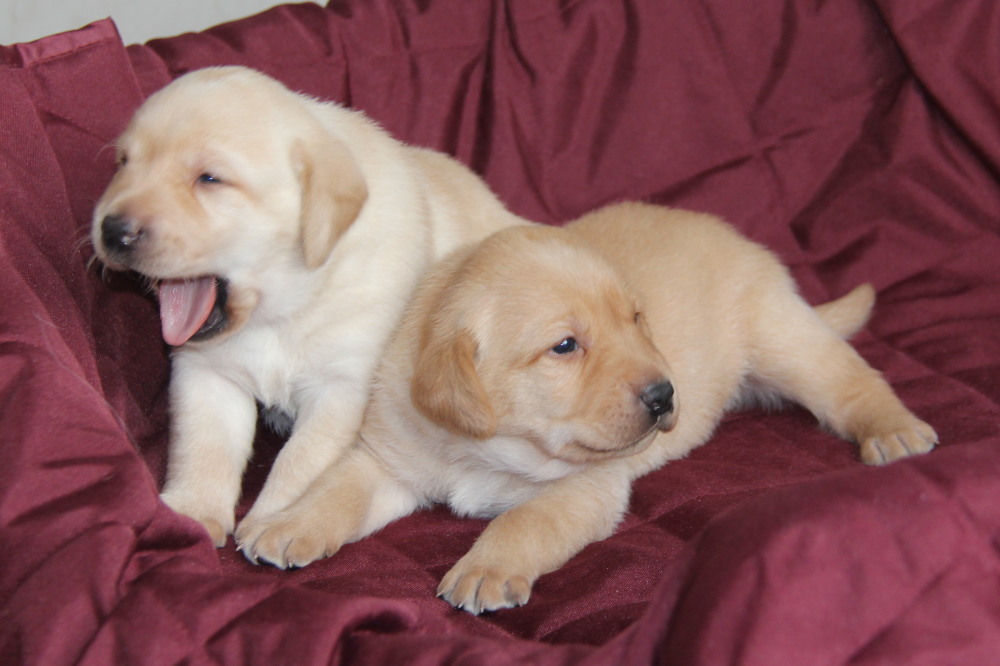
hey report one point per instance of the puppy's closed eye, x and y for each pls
(208, 179)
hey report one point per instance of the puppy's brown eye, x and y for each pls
(122, 160)
(638, 317)
(567, 346)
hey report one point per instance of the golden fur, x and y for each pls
(309, 226)
(481, 404)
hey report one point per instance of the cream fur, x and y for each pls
(473, 408)
(322, 224)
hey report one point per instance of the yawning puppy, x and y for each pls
(525, 384)
(284, 236)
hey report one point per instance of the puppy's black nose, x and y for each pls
(658, 398)
(119, 233)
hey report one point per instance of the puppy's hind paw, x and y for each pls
(912, 438)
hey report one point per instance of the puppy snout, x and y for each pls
(120, 234)
(658, 399)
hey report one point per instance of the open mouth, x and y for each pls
(192, 308)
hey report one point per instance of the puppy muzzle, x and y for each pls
(660, 402)
(120, 237)
(658, 399)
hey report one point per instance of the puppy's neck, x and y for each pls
(519, 457)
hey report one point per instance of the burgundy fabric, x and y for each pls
(858, 139)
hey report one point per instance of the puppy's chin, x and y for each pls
(583, 445)
(577, 450)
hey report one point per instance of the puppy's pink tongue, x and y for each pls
(184, 307)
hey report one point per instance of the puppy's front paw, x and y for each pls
(218, 523)
(285, 540)
(478, 587)
(910, 438)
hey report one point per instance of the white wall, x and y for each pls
(137, 20)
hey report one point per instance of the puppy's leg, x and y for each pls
(324, 429)
(804, 360)
(211, 439)
(351, 499)
(536, 537)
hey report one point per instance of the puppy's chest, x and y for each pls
(484, 493)
(492, 478)
(272, 372)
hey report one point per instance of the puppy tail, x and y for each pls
(848, 314)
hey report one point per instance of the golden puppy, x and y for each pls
(284, 236)
(525, 384)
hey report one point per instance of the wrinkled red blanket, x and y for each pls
(860, 139)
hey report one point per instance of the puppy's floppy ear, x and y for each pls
(333, 192)
(446, 387)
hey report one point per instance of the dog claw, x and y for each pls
(483, 590)
(913, 439)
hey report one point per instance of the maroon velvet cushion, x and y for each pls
(828, 131)
(74, 489)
